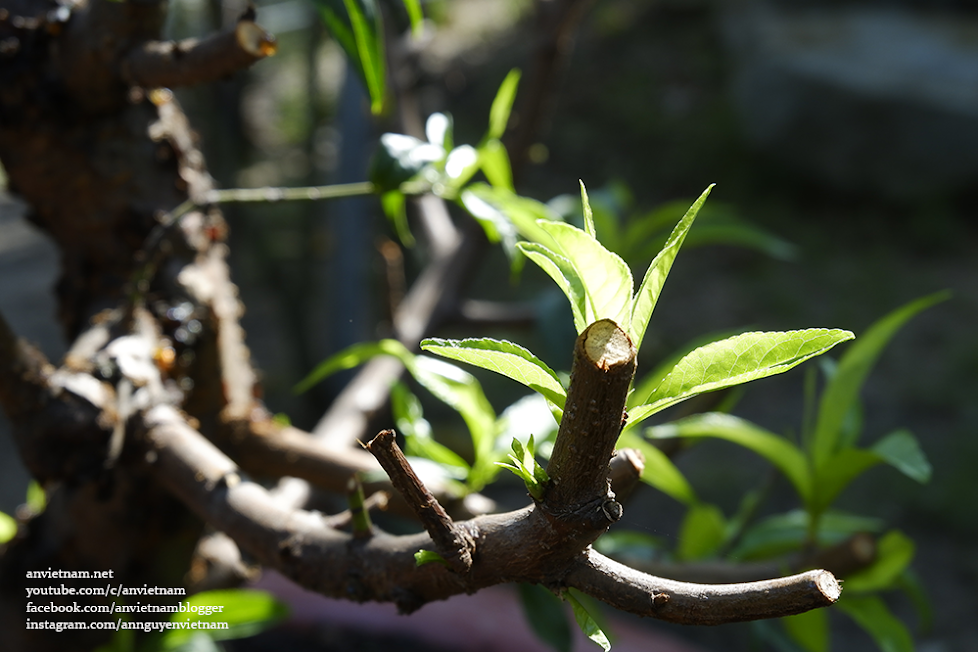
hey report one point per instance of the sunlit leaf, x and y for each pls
(565, 275)
(419, 442)
(775, 449)
(350, 357)
(503, 357)
(416, 16)
(809, 630)
(546, 615)
(844, 387)
(494, 161)
(900, 450)
(502, 105)
(655, 277)
(438, 130)
(523, 212)
(37, 500)
(423, 557)
(393, 204)
(246, 612)
(358, 27)
(587, 623)
(701, 533)
(8, 528)
(736, 360)
(606, 278)
(872, 614)
(894, 552)
(659, 471)
(588, 214)
(399, 158)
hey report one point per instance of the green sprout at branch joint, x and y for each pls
(525, 466)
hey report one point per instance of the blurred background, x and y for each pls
(848, 129)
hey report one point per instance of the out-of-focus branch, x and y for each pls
(172, 64)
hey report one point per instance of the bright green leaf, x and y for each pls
(546, 616)
(701, 533)
(503, 357)
(901, 451)
(587, 623)
(588, 214)
(502, 105)
(416, 16)
(655, 277)
(659, 470)
(8, 528)
(775, 449)
(523, 212)
(809, 630)
(565, 275)
(843, 388)
(350, 357)
(494, 161)
(737, 360)
(872, 614)
(606, 278)
(247, 612)
(37, 500)
(393, 204)
(894, 552)
(410, 422)
(357, 25)
(423, 557)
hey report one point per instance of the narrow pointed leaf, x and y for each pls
(494, 161)
(523, 212)
(659, 470)
(900, 450)
(415, 15)
(606, 278)
(565, 275)
(655, 276)
(894, 552)
(701, 533)
(502, 105)
(843, 389)
(775, 449)
(503, 357)
(872, 614)
(546, 616)
(587, 623)
(350, 357)
(737, 360)
(588, 215)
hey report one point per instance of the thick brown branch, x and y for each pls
(171, 64)
(604, 363)
(700, 604)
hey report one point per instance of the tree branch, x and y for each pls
(171, 64)
(700, 604)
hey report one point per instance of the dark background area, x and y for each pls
(847, 128)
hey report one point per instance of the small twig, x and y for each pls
(453, 542)
(269, 194)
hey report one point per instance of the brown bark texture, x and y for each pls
(150, 427)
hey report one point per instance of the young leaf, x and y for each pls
(502, 105)
(894, 552)
(392, 202)
(900, 450)
(8, 528)
(588, 215)
(423, 557)
(872, 614)
(809, 630)
(777, 450)
(606, 278)
(844, 387)
(523, 212)
(416, 16)
(546, 616)
(505, 358)
(587, 623)
(494, 161)
(736, 360)
(524, 465)
(358, 27)
(350, 357)
(659, 470)
(701, 533)
(655, 276)
(399, 158)
(410, 422)
(562, 271)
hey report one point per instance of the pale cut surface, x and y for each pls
(607, 345)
